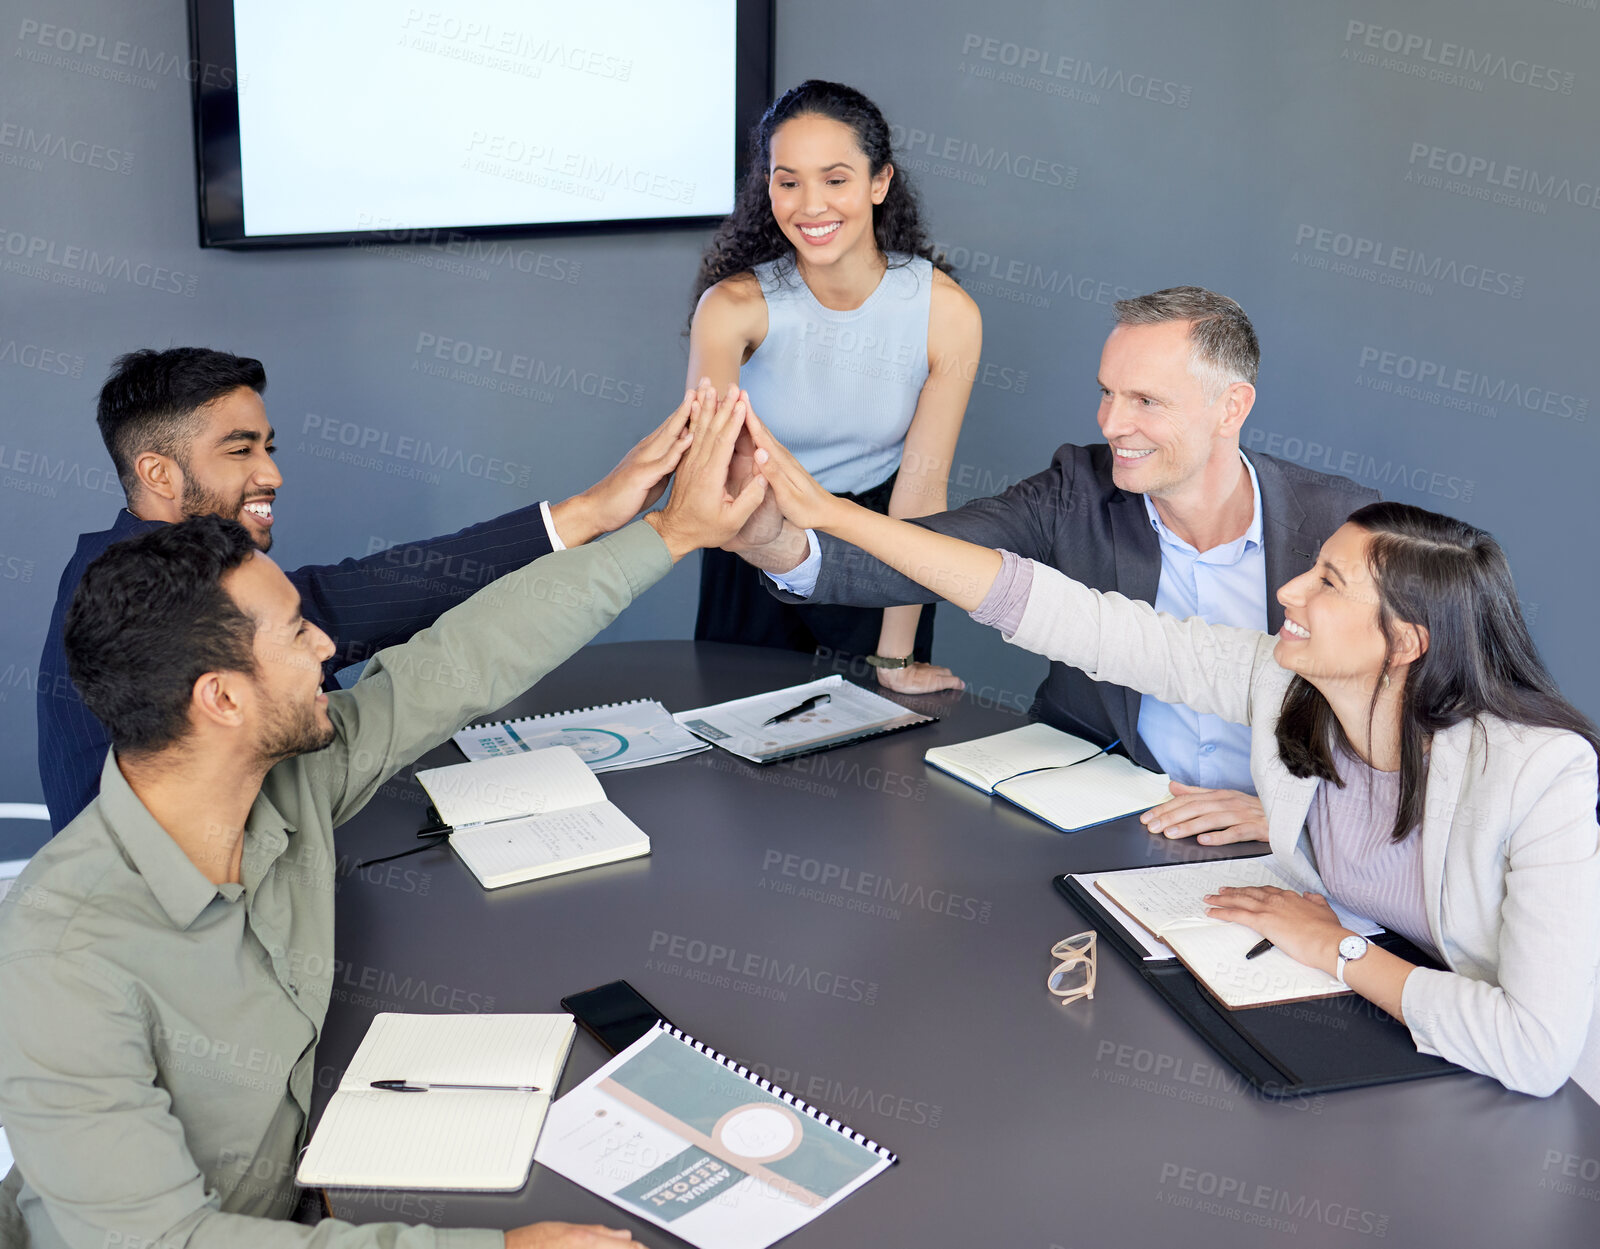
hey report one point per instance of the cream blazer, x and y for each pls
(1510, 846)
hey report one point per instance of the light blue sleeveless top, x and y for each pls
(839, 389)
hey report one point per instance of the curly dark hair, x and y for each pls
(751, 237)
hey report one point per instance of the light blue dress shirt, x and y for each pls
(1226, 585)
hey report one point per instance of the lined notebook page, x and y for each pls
(1173, 894)
(1161, 896)
(543, 845)
(1215, 953)
(1088, 793)
(994, 758)
(444, 1138)
(462, 1049)
(440, 1139)
(522, 784)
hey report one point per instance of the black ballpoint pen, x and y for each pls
(816, 700)
(1259, 948)
(422, 1086)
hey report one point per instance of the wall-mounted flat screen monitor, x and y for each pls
(322, 123)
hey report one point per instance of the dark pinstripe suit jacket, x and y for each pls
(1073, 518)
(364, 604)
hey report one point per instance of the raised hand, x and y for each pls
(803, 502)
(766, 522)
(632, 486)
(702, 510)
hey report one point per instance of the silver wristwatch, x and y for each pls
(1350, 949)
(882, 661)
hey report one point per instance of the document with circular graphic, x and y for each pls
(687, 1138)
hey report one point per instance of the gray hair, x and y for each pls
(1223, 346)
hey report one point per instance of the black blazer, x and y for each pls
(363, 604)
(1072, 517)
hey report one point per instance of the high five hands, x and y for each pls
(702, 509)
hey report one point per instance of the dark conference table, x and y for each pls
(874, 936)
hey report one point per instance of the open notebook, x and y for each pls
(1169, 903)
(1062, 779)
(525, 816)
(444, 1138)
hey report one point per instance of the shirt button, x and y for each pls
(1210, 748)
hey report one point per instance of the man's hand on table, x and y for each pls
(565, 1236)
(1218, 816)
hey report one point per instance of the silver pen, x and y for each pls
(422, 1086)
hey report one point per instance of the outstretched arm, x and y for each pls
(1212, 668)
(486, 651)
(953, 569)
(637, 481)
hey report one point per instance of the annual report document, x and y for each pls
(675, 1133)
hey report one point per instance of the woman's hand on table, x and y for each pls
(1302, 925)
(919, 678)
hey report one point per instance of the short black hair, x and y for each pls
(149, 618)
(149, 401)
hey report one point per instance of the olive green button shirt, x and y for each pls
(158, 1032)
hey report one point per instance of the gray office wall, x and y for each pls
(1403, 195)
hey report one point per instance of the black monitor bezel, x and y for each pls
(219, 186)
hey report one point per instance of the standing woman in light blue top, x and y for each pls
(822, 298)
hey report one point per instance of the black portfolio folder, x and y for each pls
(1290, 1050)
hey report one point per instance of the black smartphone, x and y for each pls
(615, 1014)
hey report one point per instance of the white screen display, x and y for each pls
(378, 115)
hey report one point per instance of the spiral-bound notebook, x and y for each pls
(608, 738)
(676, 1133)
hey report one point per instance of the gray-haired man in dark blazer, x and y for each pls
(1168, 510)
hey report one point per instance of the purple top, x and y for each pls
(1349, 826)
(1003, 606)
(1359, 863)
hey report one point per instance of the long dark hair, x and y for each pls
(1453, 580)
(751, 237)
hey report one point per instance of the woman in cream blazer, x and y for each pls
(1404, 648)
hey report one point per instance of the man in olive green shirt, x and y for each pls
(166, 961)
